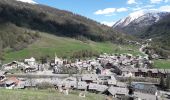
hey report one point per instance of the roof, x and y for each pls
(143, 96)
(91, 77)
(143, 70)
(153, 70)
(101, 88)
(118, 90)
(9, 82)
(82, 85)
(167, 71)
(12, 80)
(121, 84)
(145, 87)
(70, 79)
(93, 86)
(161, 71)
(32, 59)
(2, 73)
(9, 64)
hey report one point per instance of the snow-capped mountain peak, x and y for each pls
(28, 1)
(138, 17)
(137, 22)
(130, 18)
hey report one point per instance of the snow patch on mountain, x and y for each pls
(138, 17)
(126, 21)
(28, 1)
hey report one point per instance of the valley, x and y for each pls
(56, 50)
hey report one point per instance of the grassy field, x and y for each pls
(48, 45)
(165, 64)
(44, 95)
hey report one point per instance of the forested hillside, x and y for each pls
(21, 25)
(15, 38)
(160, 33)
(54, 21)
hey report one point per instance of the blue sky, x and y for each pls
(106, 11)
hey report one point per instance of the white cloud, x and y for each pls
(105, 11)
(108, 23)
(156, 1)
(110, 11)
(143, 7)
(131, 1)
(165, 8)
(122, 10)
(28, 1)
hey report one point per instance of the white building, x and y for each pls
(31, 61)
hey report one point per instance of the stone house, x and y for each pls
(145, 88)
(90, 78)
(116, 92)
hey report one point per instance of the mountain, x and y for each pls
(149, 25)
(137, 22)
(126, 21)
(53, 21)
(23, 23)
(160, 34)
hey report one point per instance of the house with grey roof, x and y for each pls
(92, 87)
(90, 78)
(144, 88)
(144, 96)
(11, 65)
(96, 87)
(121, 84)
(82, 86)
(101, 88)
(70, 81)
(116, 92)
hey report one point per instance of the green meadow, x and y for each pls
(49, 45)
(45, 95)
(165, 64)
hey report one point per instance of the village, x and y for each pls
(118, 76)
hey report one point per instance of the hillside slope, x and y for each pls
(38, 30)
(54, 21)
(160, 33)
(41, 31)
(15, 38)
(153, 25)
(49, 45)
